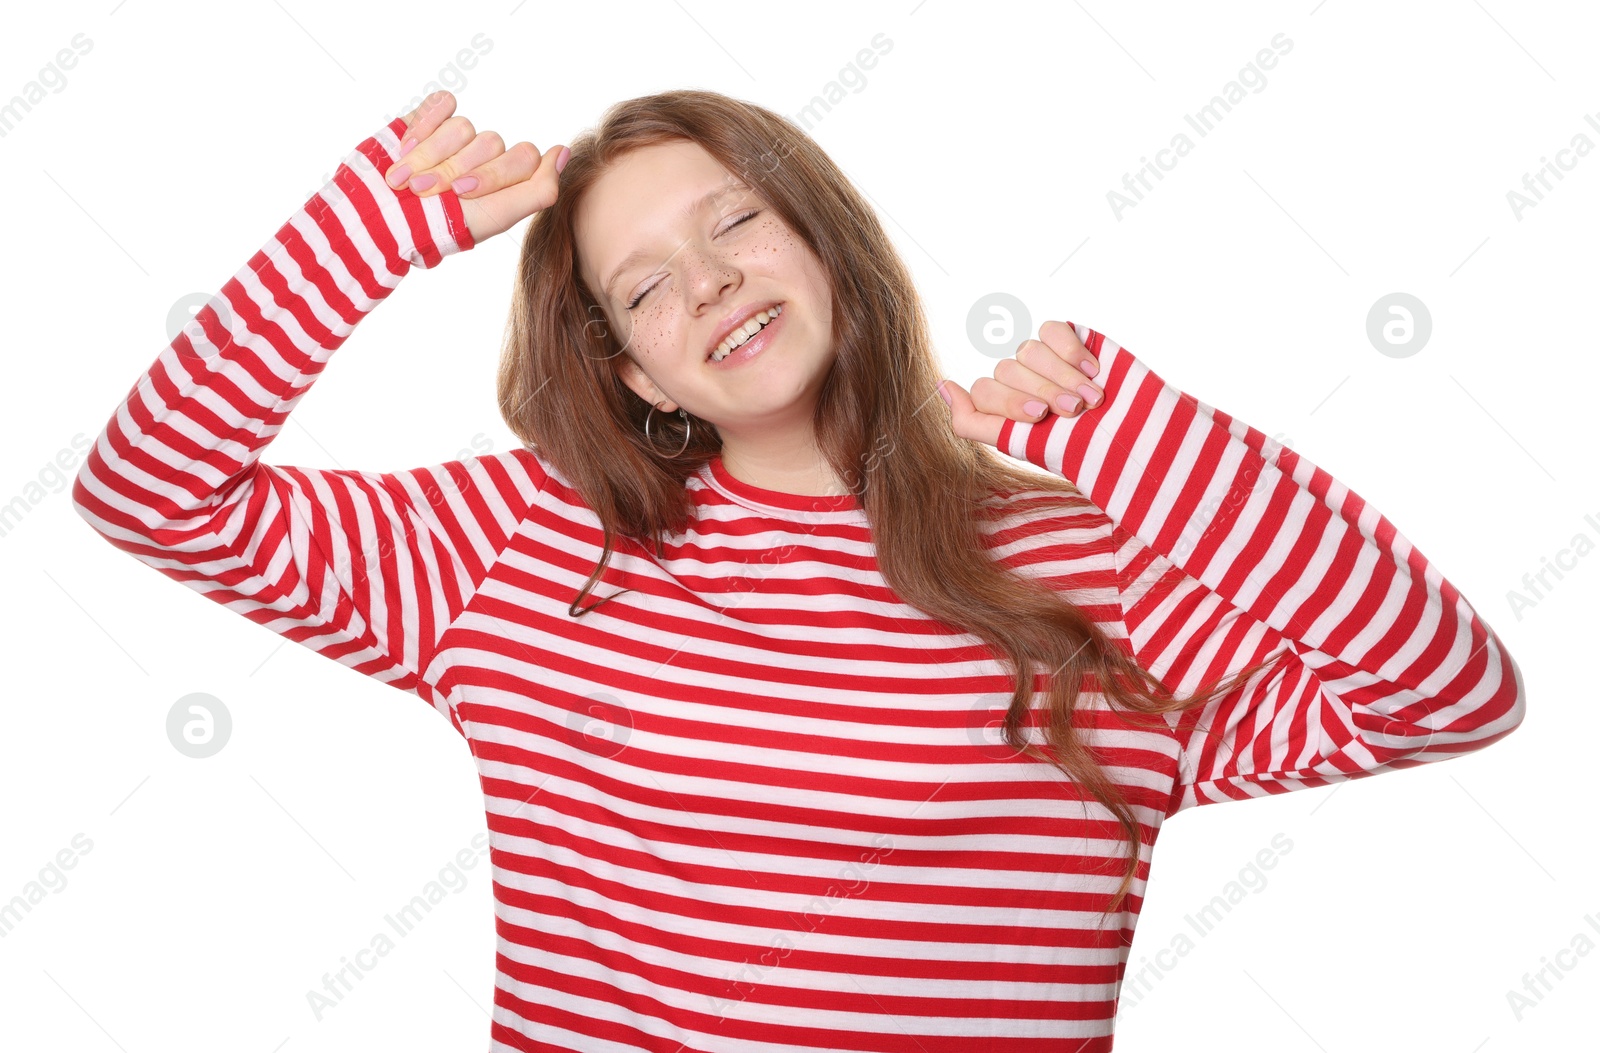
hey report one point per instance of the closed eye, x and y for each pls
(747, 216)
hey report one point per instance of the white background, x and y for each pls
(1377, 158)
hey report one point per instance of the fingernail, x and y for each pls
(1033, 407)
(1090, 368)
(398, 177)
(464, 184)
(1090, 395)
(423, 182)
(1067, 403)
(409, 143)
(562, 158)
(945, 395)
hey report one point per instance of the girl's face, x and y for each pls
(675, 247)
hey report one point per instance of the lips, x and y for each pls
(755, 347)
(737, 319)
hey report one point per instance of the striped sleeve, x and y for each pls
(1230, 547)
(366, 568)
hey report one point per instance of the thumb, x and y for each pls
(500, 211)
(965, 418)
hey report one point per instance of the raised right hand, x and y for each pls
(511, 184)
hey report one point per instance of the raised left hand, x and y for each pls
(1050, 373)
(507, 185)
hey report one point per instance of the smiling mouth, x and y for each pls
(781, 308)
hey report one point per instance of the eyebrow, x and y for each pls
(694, 207)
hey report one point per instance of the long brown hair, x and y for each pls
(932, 498)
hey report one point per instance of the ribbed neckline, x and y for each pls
(715, 473)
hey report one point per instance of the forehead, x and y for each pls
(640, 198)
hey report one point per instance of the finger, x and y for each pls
(966, 419)
(1019, 392)
(448, 138)
(508, 207)
(419, 125)
(1064, 339)
(1045, 361)
(433, 110)
(507, 168)
(484, 149)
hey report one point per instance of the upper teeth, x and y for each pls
(744, 332)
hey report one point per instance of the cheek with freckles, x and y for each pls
(770, 242)
(647, 324)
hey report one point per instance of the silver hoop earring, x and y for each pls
(688, 427)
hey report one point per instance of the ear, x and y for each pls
(629, 372)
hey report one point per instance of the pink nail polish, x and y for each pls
(409, 143)
(423, 182)
(398, 177)
(465, 184)
(1033, 407)
(1090, 368)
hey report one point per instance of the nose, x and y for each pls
(709, 273)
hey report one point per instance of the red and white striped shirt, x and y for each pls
(756, 802)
